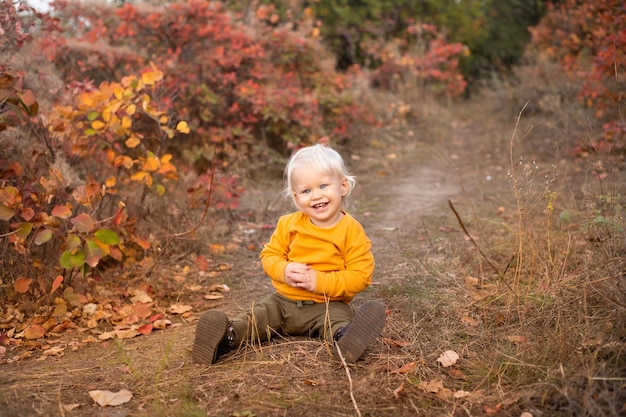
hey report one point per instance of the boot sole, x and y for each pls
(366, 326)
(210, 331)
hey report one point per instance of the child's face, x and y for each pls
(319, 195)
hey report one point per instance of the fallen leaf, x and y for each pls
(34, 332)
(54, 351)
(516, 339)
(433, 386)
(456, 374)
(126, 334)
(213, 297)
(311, 382)
(70, 407)
(398, 391)
(141, 297)
(448, 358)
(470, 321)
(108, 398)
(398, 343)
(107, 335)
(161, 324)
(22, 284)
(145, 329)
(405, 369)
(472, 281)
(492, 410)
(3, 350)
(461, 394)
(179, 308)
(219, 288)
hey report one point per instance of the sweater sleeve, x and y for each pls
(357, 275)
(274, 256)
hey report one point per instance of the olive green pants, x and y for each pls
(277, 315)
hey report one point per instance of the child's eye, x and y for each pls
(323, 186)
(306, 191)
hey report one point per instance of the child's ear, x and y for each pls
(345, 187)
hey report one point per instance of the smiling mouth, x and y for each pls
(320, 205)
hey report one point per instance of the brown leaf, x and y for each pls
(34, 332)
(456, 373)
(433, 386)
(516, 339)
(179, 308)
(492, 410)
(398, 343)
(398, 391)
(448, 358)
(311, 382)
(22, 284)
(108, 398)
(406, 368)
(161, 324)
(470, 321)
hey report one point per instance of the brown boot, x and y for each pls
(365, 327)
(213, 337)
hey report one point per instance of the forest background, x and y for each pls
(130, 133)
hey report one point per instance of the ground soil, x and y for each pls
(409, 172)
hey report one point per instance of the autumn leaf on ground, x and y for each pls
(22, 284)
(179, 308)
(398, 343)
(219, 288)
(470, 321)
(139, 296)
(34, 332)
(108, 398)
(448, 358)
(406, 368)
(398, 391)
(461, 394)
(492, 410)
(516, 339)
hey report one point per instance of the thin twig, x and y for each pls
(456, 214)
(345, 366)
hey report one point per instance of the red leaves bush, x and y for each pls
(589, 38)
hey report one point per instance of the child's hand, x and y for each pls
(300, 276)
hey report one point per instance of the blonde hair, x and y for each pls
(324, 159)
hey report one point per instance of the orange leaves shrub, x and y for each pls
(114, 135)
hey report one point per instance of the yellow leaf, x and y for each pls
(98, 125)
(118, 90)
(127, 122)
(160, 190)
(106, 114)
(163, 119)
(182, 127)
(130, 110)
(132, 142)
(138, 176)
(151, 164)
(110, 182)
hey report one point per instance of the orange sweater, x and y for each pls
(340, 254)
